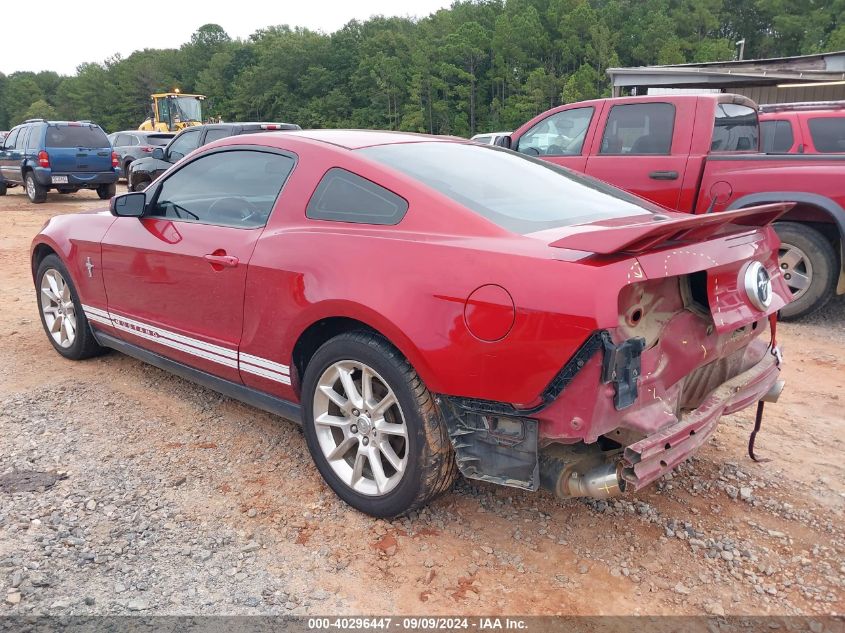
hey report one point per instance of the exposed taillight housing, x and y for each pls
(147, 149)
(43, 159)
(115, 161)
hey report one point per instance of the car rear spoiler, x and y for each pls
(660, 230)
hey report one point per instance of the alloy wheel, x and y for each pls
(58, 308)
(30, 187)
(796, 268)
(360, 428)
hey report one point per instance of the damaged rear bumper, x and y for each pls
(647, 460)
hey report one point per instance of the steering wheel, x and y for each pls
(236, 209)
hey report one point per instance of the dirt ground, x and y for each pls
(177, 500)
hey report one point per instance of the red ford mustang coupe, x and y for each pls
(425, 306)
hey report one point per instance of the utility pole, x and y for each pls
(741, 44)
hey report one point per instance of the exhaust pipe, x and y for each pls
(581, 478)
(601, 482)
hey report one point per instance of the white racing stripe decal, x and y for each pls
(266, 364)
(224, 356)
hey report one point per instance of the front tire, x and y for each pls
(37, 193)
(3, 188)
(61, 313)
(372, 427)
(809, 265)
(105, 192)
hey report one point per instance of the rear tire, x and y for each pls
(105, 192)
(36, 193)
(140, 184)
(58, 302)
(126, 171)
(3, 188)
(809, 265)
(405, 455)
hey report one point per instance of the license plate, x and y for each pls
(59, 180)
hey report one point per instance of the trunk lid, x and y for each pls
(727, 260)
(78, 148)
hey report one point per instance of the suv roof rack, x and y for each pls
(803, 105)
(35, 121)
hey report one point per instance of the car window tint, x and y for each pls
(561, 134)
(735, 129)
(214, 135)
(184, 144)
(232, 188)
(346, 197)
(484, 140)
(120, 140)
(34, 138)
(828, 133)
(776, 136)
(76, 136)
(157, 140)
(517, 192)
(639, 128)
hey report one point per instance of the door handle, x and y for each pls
(663, 175)
(230, 261)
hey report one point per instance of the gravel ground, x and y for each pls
(125, 490)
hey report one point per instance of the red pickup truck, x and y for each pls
(700, 154)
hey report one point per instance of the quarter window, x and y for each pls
(346, 197)
(34, 138)
(184, 144)
(776, 136)
(561, 134)
(217, 134)
(639, 128)
(233, 188)
(828, 133)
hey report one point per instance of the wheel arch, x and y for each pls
(40, 251)
(824, 214)
(319, 330)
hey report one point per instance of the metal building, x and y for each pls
(818, 77)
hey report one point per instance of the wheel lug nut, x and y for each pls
(365, 441)
(353, 428)
(356, 412)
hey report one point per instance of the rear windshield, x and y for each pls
(159, 141)
(735, 129)
(828, 133)
(517, 192)
(76, 136)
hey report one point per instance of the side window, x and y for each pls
(134, 141)
(23, 137)
(34, 138)
(232, 188)
(776, 136)
(561, 134)
(639, 128)
(217, 134)
(120, 141)
(9, 143)
(346, 197)
(828, 133)
(735, 129)
(184, 144)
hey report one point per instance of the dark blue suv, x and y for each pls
(63, 155)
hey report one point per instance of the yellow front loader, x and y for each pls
(174, 111)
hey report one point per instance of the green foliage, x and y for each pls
(478, 65)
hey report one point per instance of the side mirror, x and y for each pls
(129, 205)
(504, 141)
(158, 153)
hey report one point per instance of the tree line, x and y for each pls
(480, 65)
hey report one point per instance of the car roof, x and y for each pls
(357, 139)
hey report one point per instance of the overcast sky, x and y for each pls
(63, 35)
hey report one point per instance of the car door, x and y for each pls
(640, 152)
(175, 277)
(10, 158)
(561, 138)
